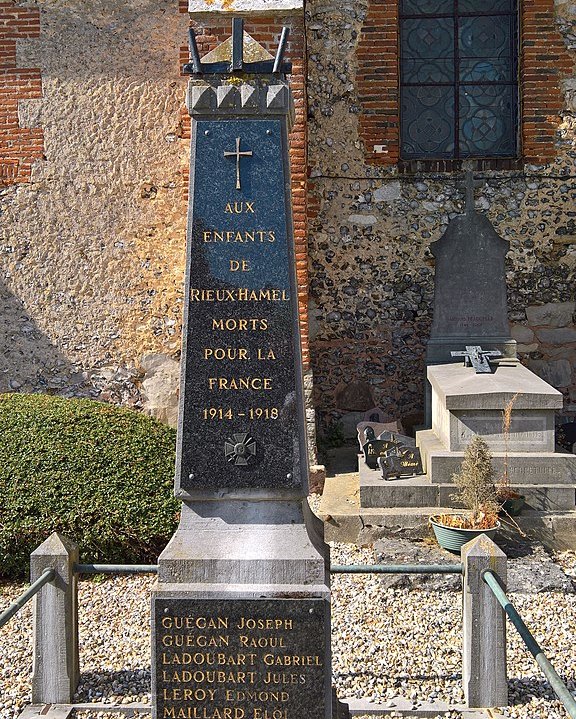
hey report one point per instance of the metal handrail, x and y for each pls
(560, 689)
(116, 568)
(47, 576)
(396, 569)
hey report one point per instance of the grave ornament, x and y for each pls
(400, 462)
(475, 356)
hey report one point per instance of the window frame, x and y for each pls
(457, 160)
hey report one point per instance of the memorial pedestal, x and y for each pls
(241, 611)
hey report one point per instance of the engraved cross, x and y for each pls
(238, 155)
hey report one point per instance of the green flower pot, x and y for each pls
(454, 539)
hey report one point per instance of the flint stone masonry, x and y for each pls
(557, 372)
(522, 333)
(375, 324)
(108, 247)
(553, 314)
(160, 387)
(557, 335)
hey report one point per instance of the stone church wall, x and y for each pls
(93, 174)
(91, 236)
(371, 225)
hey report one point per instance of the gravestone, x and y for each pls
(470, 304)
(240, 613)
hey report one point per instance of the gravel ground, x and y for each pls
(387, 642)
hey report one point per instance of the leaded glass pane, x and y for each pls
(428, 38)
(477, 70)
(484, 6)
(428, 121)
(486, 36)
(485, 70)
(426, 7)
(487, 120)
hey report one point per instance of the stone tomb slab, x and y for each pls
(465, 404)
(460, 388)
(543, 468)
(238, 658)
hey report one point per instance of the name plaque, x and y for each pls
(239, 658)
(241, 400)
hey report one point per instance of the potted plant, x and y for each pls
(477, 492)
(511, 502)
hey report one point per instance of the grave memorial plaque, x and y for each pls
(238, 425)
(401, 462)
(375, 448)
(470, 303)
(239, 659)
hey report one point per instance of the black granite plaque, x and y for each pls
(239, 659)
(400, 462)
(375, 448)
(241, 394)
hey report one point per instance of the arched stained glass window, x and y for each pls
(459, 78)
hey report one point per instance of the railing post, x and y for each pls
(484, 640)
(55, 670)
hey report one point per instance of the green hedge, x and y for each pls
(99, 474)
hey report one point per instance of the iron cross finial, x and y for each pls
(238, 155)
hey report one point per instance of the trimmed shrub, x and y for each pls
(99, 474)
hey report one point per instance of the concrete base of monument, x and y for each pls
(403, 707)
(246, 542)
(241, 614)
(345, 520)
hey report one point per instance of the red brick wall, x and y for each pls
(544, 62)
(377, 82)
(267, 32)
(19, 146)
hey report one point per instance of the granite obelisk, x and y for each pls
(240, 614)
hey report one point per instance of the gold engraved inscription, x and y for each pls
(205, 713)
(225, 353)
(241, 294)
(239, 383)
(274, 624)
(195, 622)
(244, 236)
(239, 208)
(231, 324)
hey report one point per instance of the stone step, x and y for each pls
(345, 521)
(421, 492)
(545, 468)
